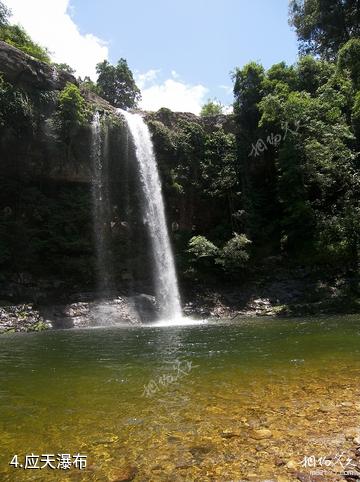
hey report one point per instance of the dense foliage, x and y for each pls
(72, 110)
(323, 26)
(16, 36)
(212, 107)
(298, 145)
(116, 84)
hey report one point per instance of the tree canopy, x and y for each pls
(323, 26)
(212, 107)
(16, 36)
(117, 85)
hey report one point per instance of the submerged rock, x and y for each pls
(261, 433)
(200, 451)
(230, 434)
(124, 474)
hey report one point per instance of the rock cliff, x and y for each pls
(24, 71)
(46, 226)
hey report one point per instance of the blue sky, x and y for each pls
(181, 51)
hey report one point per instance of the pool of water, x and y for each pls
(244, 400)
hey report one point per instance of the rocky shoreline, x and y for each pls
(28, 304)
(135, 310)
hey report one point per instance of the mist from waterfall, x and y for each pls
(167, 291)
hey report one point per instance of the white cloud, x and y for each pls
(228, 88)
(49, 23)
(171, 93)
(144, 79)
(228, 109)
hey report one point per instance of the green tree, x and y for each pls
(71, 114)
(218, 167)
(200, 247)
(234, 255)
(16, 36)
(255, 172)
(202, 253)
(280, 75)
(117, 85)
(88, 85)
(355, 116)
(323, 26)
(248, 92)
(190, 147)
(313, 73)
(314, 161)
(212, 107)
(349, 59)
(64, 67)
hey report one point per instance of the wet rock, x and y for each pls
(173, 439)
(124, 474)
(262, 433)
(200, 451)
(253, 423)
(228, 434)
(183, 464)
(23, 317)
(279, 462)
(325, 408)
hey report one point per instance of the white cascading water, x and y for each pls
(167, 291)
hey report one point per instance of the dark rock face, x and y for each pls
(46, 218)
(24, 71)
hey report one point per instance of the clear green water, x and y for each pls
(83, 391)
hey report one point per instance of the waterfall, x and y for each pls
(166, 286)
(100, 205)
